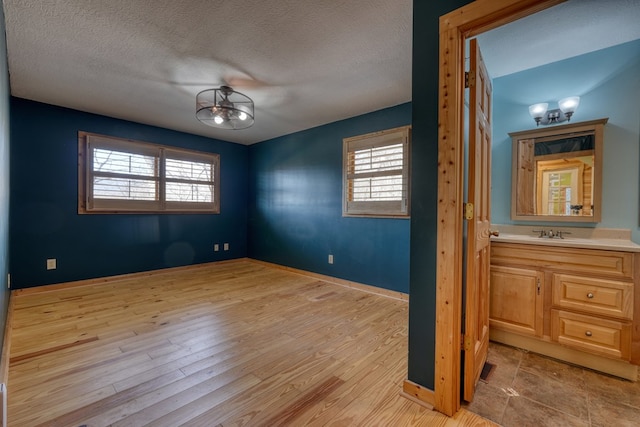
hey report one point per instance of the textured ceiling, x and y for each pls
(303, 62)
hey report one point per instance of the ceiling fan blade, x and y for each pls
(245, 83)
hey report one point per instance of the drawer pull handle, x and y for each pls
(588, 333)
(590, 295)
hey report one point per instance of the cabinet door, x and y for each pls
(516, 300)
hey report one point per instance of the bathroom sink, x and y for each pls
(573, 237)
(574, 242)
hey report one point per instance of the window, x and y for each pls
(124, 176)
(376, 174)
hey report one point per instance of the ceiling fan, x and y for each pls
(226, 96)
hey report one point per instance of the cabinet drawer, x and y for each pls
(575, 260)
(600, 336)
(598, 296)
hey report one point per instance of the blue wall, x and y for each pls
(608, 85)
(295, 214)
(4, 177)
(424, 188)
(44, 193)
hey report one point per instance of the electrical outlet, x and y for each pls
(226, 246)
(216, 247)
(330, 259)
(51, 264)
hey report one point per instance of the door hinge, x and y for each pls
(468, 211)
(469, 79)
(466, 342)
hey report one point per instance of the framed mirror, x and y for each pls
(557, 173)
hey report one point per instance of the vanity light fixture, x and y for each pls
(224, 108)
(541, 114)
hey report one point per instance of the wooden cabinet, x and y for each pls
(545, 156)
(516, 300)
(580, 305)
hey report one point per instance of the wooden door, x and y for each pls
(476, 312)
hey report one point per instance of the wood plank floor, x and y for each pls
(227, 344)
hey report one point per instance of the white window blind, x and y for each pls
(130, 176)
(190, 180)
(122, 175)
(376, 173)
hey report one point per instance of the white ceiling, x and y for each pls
(303, 62)
(569, 29)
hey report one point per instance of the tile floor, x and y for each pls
(526, 389)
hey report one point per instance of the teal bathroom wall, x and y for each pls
(608, 84)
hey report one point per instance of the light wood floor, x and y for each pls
(227, 344)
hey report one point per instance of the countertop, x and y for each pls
(574, 237)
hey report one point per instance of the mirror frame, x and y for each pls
(561, 131)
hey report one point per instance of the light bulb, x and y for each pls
(242, 115)
(570, 104)
(218, 120)
(538, 110)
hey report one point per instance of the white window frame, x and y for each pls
(377, 208)
(87, 204)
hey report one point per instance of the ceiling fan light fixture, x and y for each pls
(224, 108)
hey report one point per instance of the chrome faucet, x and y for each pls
(542, 232)
(551, 234)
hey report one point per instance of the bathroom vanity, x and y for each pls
(573, 298)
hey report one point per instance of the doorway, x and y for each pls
(455, 28)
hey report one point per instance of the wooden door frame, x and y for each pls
(468, 21)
